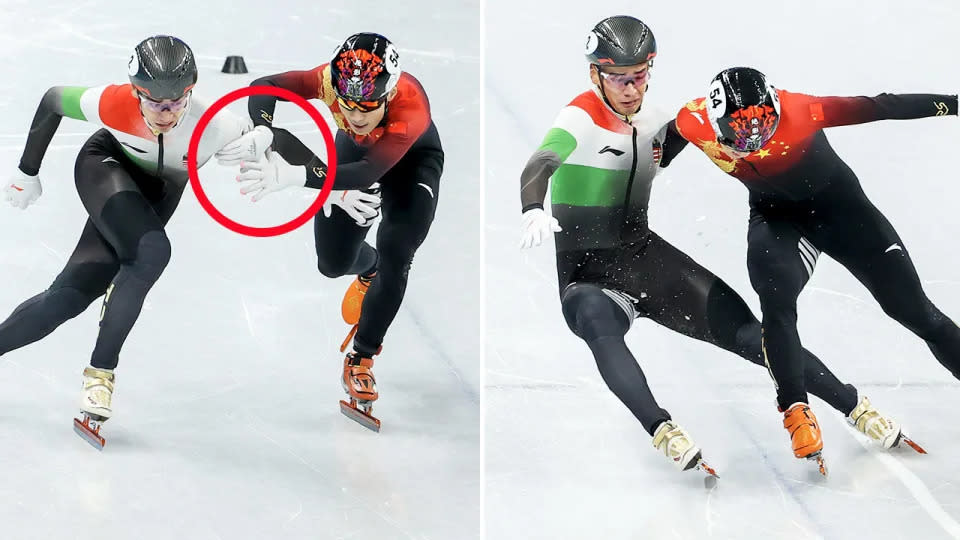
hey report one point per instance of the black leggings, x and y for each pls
(122, 251)
(840, 221)
(409, 194)
(683, 296)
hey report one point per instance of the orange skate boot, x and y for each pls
(804, 430)
(352, 304)
(353, 299)
(361, 387)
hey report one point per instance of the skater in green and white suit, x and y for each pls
(603, 152)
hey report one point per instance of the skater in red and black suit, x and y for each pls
(805, 200)
(388, 150)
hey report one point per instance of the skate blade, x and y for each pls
(359, 416)
(911, 444)
(89, 433)
(710, 480)
(821, 464)
(702, 466)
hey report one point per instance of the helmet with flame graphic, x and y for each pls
(366, 67)
(744, 109)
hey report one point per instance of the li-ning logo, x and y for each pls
(612, 150)
(942, 108)
(319, 172)
(266, 116)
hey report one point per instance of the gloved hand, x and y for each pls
(536, 226)
(22, 190)
(248, 147)
(362, 206)
(269, 174)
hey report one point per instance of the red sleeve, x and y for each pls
(305, 84)
(831, 111)
(693, 122)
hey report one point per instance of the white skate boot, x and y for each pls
(95, 404)
(884, 430)
(679, 447)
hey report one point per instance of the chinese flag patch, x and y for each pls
(400, 128)
(816, 112)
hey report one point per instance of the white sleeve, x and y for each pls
(90, 104)
(225, 127)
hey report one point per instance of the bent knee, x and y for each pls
(590, 313)
(152, 256)
(333, 268)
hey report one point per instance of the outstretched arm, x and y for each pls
(844, 111)
(252, 144)
(303, 83)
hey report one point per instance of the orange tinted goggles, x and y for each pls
(362, 106)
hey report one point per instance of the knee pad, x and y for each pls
(393, 267)
(731, 323)
(153, 254)
(396, 255)
(776, 301)
(591, 314)
(334, 268)
(395, 259)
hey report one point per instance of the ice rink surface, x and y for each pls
(564, 458)
(226, 420)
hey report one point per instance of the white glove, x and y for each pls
(271, 173)
(248, 147)
(362, 207)
(22, 190)
(536, 226)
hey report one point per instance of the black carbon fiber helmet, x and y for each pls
(162, 67)
(366, 67)
(744, 108)
(620, 41)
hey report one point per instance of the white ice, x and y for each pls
(564, 458)
(226, 420)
